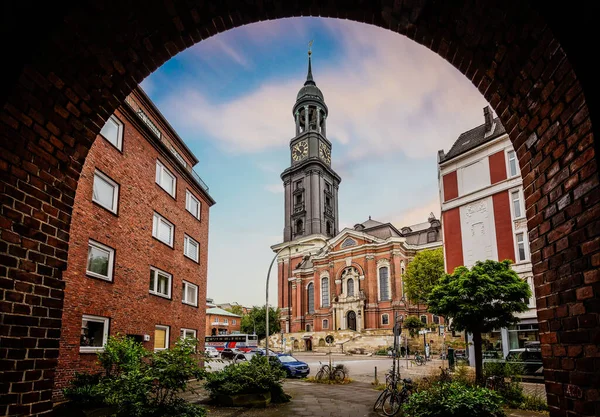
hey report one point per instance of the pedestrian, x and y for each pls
(427, 351)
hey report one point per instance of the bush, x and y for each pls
(257, 376)
(454, 400)
(534, 403)
(139, 383)
(84, 389)
(509, 373)
(464, 375)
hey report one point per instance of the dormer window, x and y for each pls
(431, 236)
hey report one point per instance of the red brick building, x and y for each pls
(483, 215)
(219, 321)
(138, 240)
(331, 280)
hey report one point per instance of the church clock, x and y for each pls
(325, 153)
(300, 150)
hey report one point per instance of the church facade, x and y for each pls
(331, 280)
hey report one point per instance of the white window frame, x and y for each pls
(167, 336)
(154, 291)
(525, 247)
(97, 319)
(226, 320)
(186, 243)
(111, 260)
(426, 322)
(325, 324)
(328, 305)
(233, 322)
(508, 159)
(184, 331)
(114, 119)
(111, 182)
(519, 194)
(184, 294)
(388, 319)
(161, 169)
(188, 197)
(156, 219)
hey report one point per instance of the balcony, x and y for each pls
(218, 323)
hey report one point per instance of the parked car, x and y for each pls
(292, 366)
(228, 353)
(211, 352)
(261, 351)
(244, 356)
(529, 357)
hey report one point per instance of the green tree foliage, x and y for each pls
(412, 324)
(257, 316)
(422, 274)
(235, 309)
(480, 299)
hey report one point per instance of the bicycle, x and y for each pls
(391, 399)
(419, 360)
(495, 383)
(335, 373)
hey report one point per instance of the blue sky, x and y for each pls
(392, 105)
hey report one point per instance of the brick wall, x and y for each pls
(126, 300)
(530, 60)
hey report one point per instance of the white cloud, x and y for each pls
(387, 94)
(274, 188)
(416, 214)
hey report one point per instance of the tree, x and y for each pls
(236, 309)
(422, 274)
(413, 324)
(257, 317)
(480, 299)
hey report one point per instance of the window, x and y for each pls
(190, 248)
(436, 319)
(234, 322)
(94, 333)
(226, 321)
(516, 202)
(184, 333)
(325, 324)
(160, 283)
(521, 252)
(328, 228)
(190, 294)
(106, 191)
(350, 288)
(424, 319)
(298, 185)
(192, 204)
(100, 261)
(327, 201)
(299, 199)
(385, 319)
(161, 337)
(113, 132)
(431, 236)
(165, 179)
(311, 297)
(512, 164)
(325, 292)
(308, 328)
(162, 229)
(299, 227)
(384, 287)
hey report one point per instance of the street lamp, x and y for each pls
(267, 292)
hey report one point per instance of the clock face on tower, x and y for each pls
(300, 150)
(325, 153)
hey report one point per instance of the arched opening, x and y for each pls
(350, 288)
(299, 227)
(351, 320)
(310, 290)
(54, 106)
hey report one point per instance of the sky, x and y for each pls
(392, 105)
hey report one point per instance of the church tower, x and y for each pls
(311, 186)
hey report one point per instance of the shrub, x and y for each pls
(256, 376)
(140, 383)
(332, 381)
(534, 403)
(464, 375)
(454, 400)
(509, 373)
(84, 390)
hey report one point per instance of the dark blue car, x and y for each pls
(292, 366)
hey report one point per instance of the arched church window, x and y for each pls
(384, 287)
(325, 292)
(299, 227)
(311, 297)
(350, 287)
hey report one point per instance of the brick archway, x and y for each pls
(83, 59)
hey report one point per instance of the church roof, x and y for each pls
(472, 139)
(310, 88)
(371, 223)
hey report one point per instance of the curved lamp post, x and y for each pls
(267, 291)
